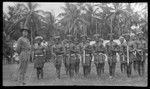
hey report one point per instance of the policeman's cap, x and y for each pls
(25, 29)
(96, 35)
(38, 37)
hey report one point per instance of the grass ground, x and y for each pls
(50, 77)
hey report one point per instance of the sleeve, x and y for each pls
(104, 49)
(107, 48)
(19, 43)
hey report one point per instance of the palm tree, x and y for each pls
(49, 24)
(72, 18)
(28, 16)
(90, 16)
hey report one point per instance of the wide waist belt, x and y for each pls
(87, 54)
(139, 50)
(100, 53)
(58, 54)
(72, 55)
(39, 55)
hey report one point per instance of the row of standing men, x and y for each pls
(132, 53)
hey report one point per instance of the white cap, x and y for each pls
(38, 37)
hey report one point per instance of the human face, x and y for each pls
(121, 40)
(111, 39)
(25, 33)
(39, 41)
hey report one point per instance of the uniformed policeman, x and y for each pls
(111, 54)
(39, 59)
(86, 55)
(58, 52)
(99, 57)
(66, 55)
(141, 54)
(130, 54)
(123, 54)
(135, 61)
(77, 53)
(72, 58)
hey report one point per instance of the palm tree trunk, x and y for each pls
(96, 26)
(25, 25)
(111, 25)
(119, 28)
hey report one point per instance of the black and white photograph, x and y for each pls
(75, 44)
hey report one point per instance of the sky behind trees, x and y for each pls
(56, 6)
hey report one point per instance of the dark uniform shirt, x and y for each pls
(86, 54)
(72, 52)
(58, 51)
(99, 51)
(141, 48)
(123, 52)
(112, 49)
(132, 47)
(39, 53)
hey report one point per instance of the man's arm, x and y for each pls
(19, 43)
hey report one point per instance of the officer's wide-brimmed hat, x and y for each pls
(25, 28)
